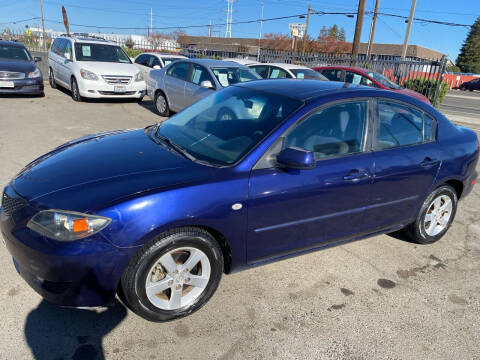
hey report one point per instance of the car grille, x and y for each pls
(10, 75)
(11, 204)
(117, 79)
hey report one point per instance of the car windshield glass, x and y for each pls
(11, 52)
(383, 80)
(227, 76)
(100, 52)
(307, 74)
(223, 127)
(167, 60)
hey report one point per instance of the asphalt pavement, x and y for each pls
(379, 298)
(462, 107)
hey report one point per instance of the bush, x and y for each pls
(132, 52)
(427, 87)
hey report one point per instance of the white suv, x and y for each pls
(94, 68)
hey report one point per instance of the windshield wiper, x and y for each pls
(179, 149)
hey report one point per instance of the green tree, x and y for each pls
(333, 32)
(469, 58)
(323, 33)
(341, 35)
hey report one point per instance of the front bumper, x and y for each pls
(25, 86)
(101, 89)
(79, 273)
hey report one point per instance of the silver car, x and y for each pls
(184, 82)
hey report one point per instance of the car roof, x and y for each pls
(213, 62)
(300, 89)
(165, 54)
(12, 43)
(287, 66)
(243, 61)
(87, 39)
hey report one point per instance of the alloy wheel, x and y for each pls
(161, 104)
(178, 278)
(438, 215)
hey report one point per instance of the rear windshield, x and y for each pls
(227, 76)
(12, 52)
(100, 52)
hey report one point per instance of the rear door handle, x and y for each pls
(428, 162)
(356, 175)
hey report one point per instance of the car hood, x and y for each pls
(414, 94)
(109, 68)
(17, 66)
(96, 170)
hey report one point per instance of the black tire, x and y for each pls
(159, 100)
(140, 99)
(133, 282)
(51, 79)
(417, 231)
(463, 88)
(226, 114)
(75, 92)
(41, 94)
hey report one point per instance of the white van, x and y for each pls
(94, 68)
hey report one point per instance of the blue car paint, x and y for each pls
(147, 189)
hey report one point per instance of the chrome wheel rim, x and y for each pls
(226, 116)
(178, 278)
(161, 104)
(74, 90)
(438, 215)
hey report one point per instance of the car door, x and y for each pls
(64, 67)
(291, 210)
(57, 57)
(175, 82)
(406, 163)
(193, 90)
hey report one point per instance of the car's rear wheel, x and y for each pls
(173, 275)
(75, 92)
(463, 88)
(161, 104)
(51, 79)
(435, 217)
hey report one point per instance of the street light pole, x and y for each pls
(409, 27)
(306, 29)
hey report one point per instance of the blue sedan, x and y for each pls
(161, 213)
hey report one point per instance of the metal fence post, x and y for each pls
(443, 66)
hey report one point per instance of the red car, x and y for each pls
(367, 77)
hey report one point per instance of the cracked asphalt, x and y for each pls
(379, 298)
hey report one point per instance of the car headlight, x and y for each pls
(88, 75)
(35, 74)
(139, 76)
(64, 225)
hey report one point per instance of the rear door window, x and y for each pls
(333, 74)
(261, 70)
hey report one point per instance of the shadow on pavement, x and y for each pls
(57, 333)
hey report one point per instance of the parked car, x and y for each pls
(148, 61)
(18, 72)
(286, 71)
(242, 61)
(184, 82)
(471, 85)
(359, 76)
(93, 68)
(162, 212)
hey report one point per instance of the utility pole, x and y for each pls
(358, 28)
(372, 29)
(261, 21)
(210, 29)
(306, 29)
(44, 38)
(409, 27)
(151, 21)
(228, 30)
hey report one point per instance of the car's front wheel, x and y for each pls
(75, 92)
(435, 217)
(51, 79)
(161, 104)
(173, 275)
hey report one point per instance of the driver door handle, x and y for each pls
(356, 175)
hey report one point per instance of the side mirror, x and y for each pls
(207, 84)
(157, 67)
(68, 56)
(296, 158)
(37, 59)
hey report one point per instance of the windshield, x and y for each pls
(223, 127)
(100, 52)
(227, 76)
(12, 52)
(383, 80)
(307, 74)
